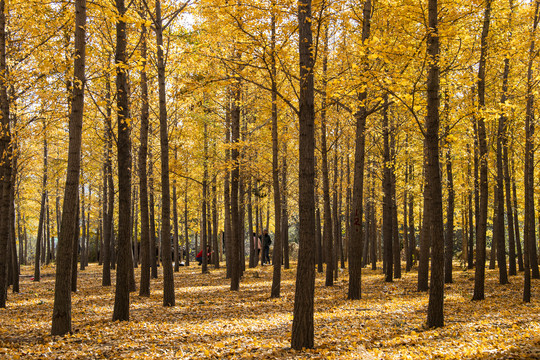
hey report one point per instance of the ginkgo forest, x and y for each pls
(269, 179)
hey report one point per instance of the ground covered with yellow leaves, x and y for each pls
(211, 322)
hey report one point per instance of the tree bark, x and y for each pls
(396, 248)
(76, 248)
(479, 276)
(41, 226)
(61, 318)
(302, 327)
(516, 220)
(435, 316)
(449, 237)
(108, 190)
(236, 235)
(355, 217)
(284, 208)
(152, 209)
(529, 246)
(388, 226)
(124, 254)
(328, 252)
(168, 279)
(278, 251)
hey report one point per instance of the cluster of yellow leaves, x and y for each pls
(210, 322)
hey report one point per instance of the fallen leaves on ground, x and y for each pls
(211, 322)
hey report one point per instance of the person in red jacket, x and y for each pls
(199, 255)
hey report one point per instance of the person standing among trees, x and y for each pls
(267, 241)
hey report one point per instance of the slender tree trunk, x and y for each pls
(108, 191)
(236, 235)
(61, 318)
(20, 232)
(435, 316)
(327, 230)
(493, 253)
(186, 223)
(278, 251)
(472, 223)
(168, 279)
(479, 276)
(425, 236)
(12, 233)
(50, 246)
(355, 217)
(253, 243)
(284, 207)
(175, 220)
(41, 225)
(204, 222)
(373, 221)
(302, 328)
(396, 248)
(516, 219)
(449, 237)
(83, 223)
(412, 232)
(388, 226)
(318, 241)
(335, 222)
(227, 193)
(215, 244)
(152, 208)
(501, 242)
(406, 239)
(529, 246)
(124, 255)
(76, 249)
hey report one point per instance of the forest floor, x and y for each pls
(211, 322)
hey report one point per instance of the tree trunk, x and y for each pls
(529, 255)
(253, 242)
(204, 222)
(76, 248)
(175, 220)
(388, 226)
(186, 224)
(396, 248)
(435, 316)
(61, 319)
(124, 255)
(406, 239)
(108, 191)
(284, 207)
(168, 279)
(449, 237)
(318, 241)
(302, 327)
(278, 251)
(83, 220)
(472, 223)
(227, 193)
(12, 233)
(479, 276)
(40, 235)
(215, 244)
(412, 232)
(355, 217)
(327, 230)
(152, 208)
(236, 226)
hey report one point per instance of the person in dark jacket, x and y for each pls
(267, 241)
